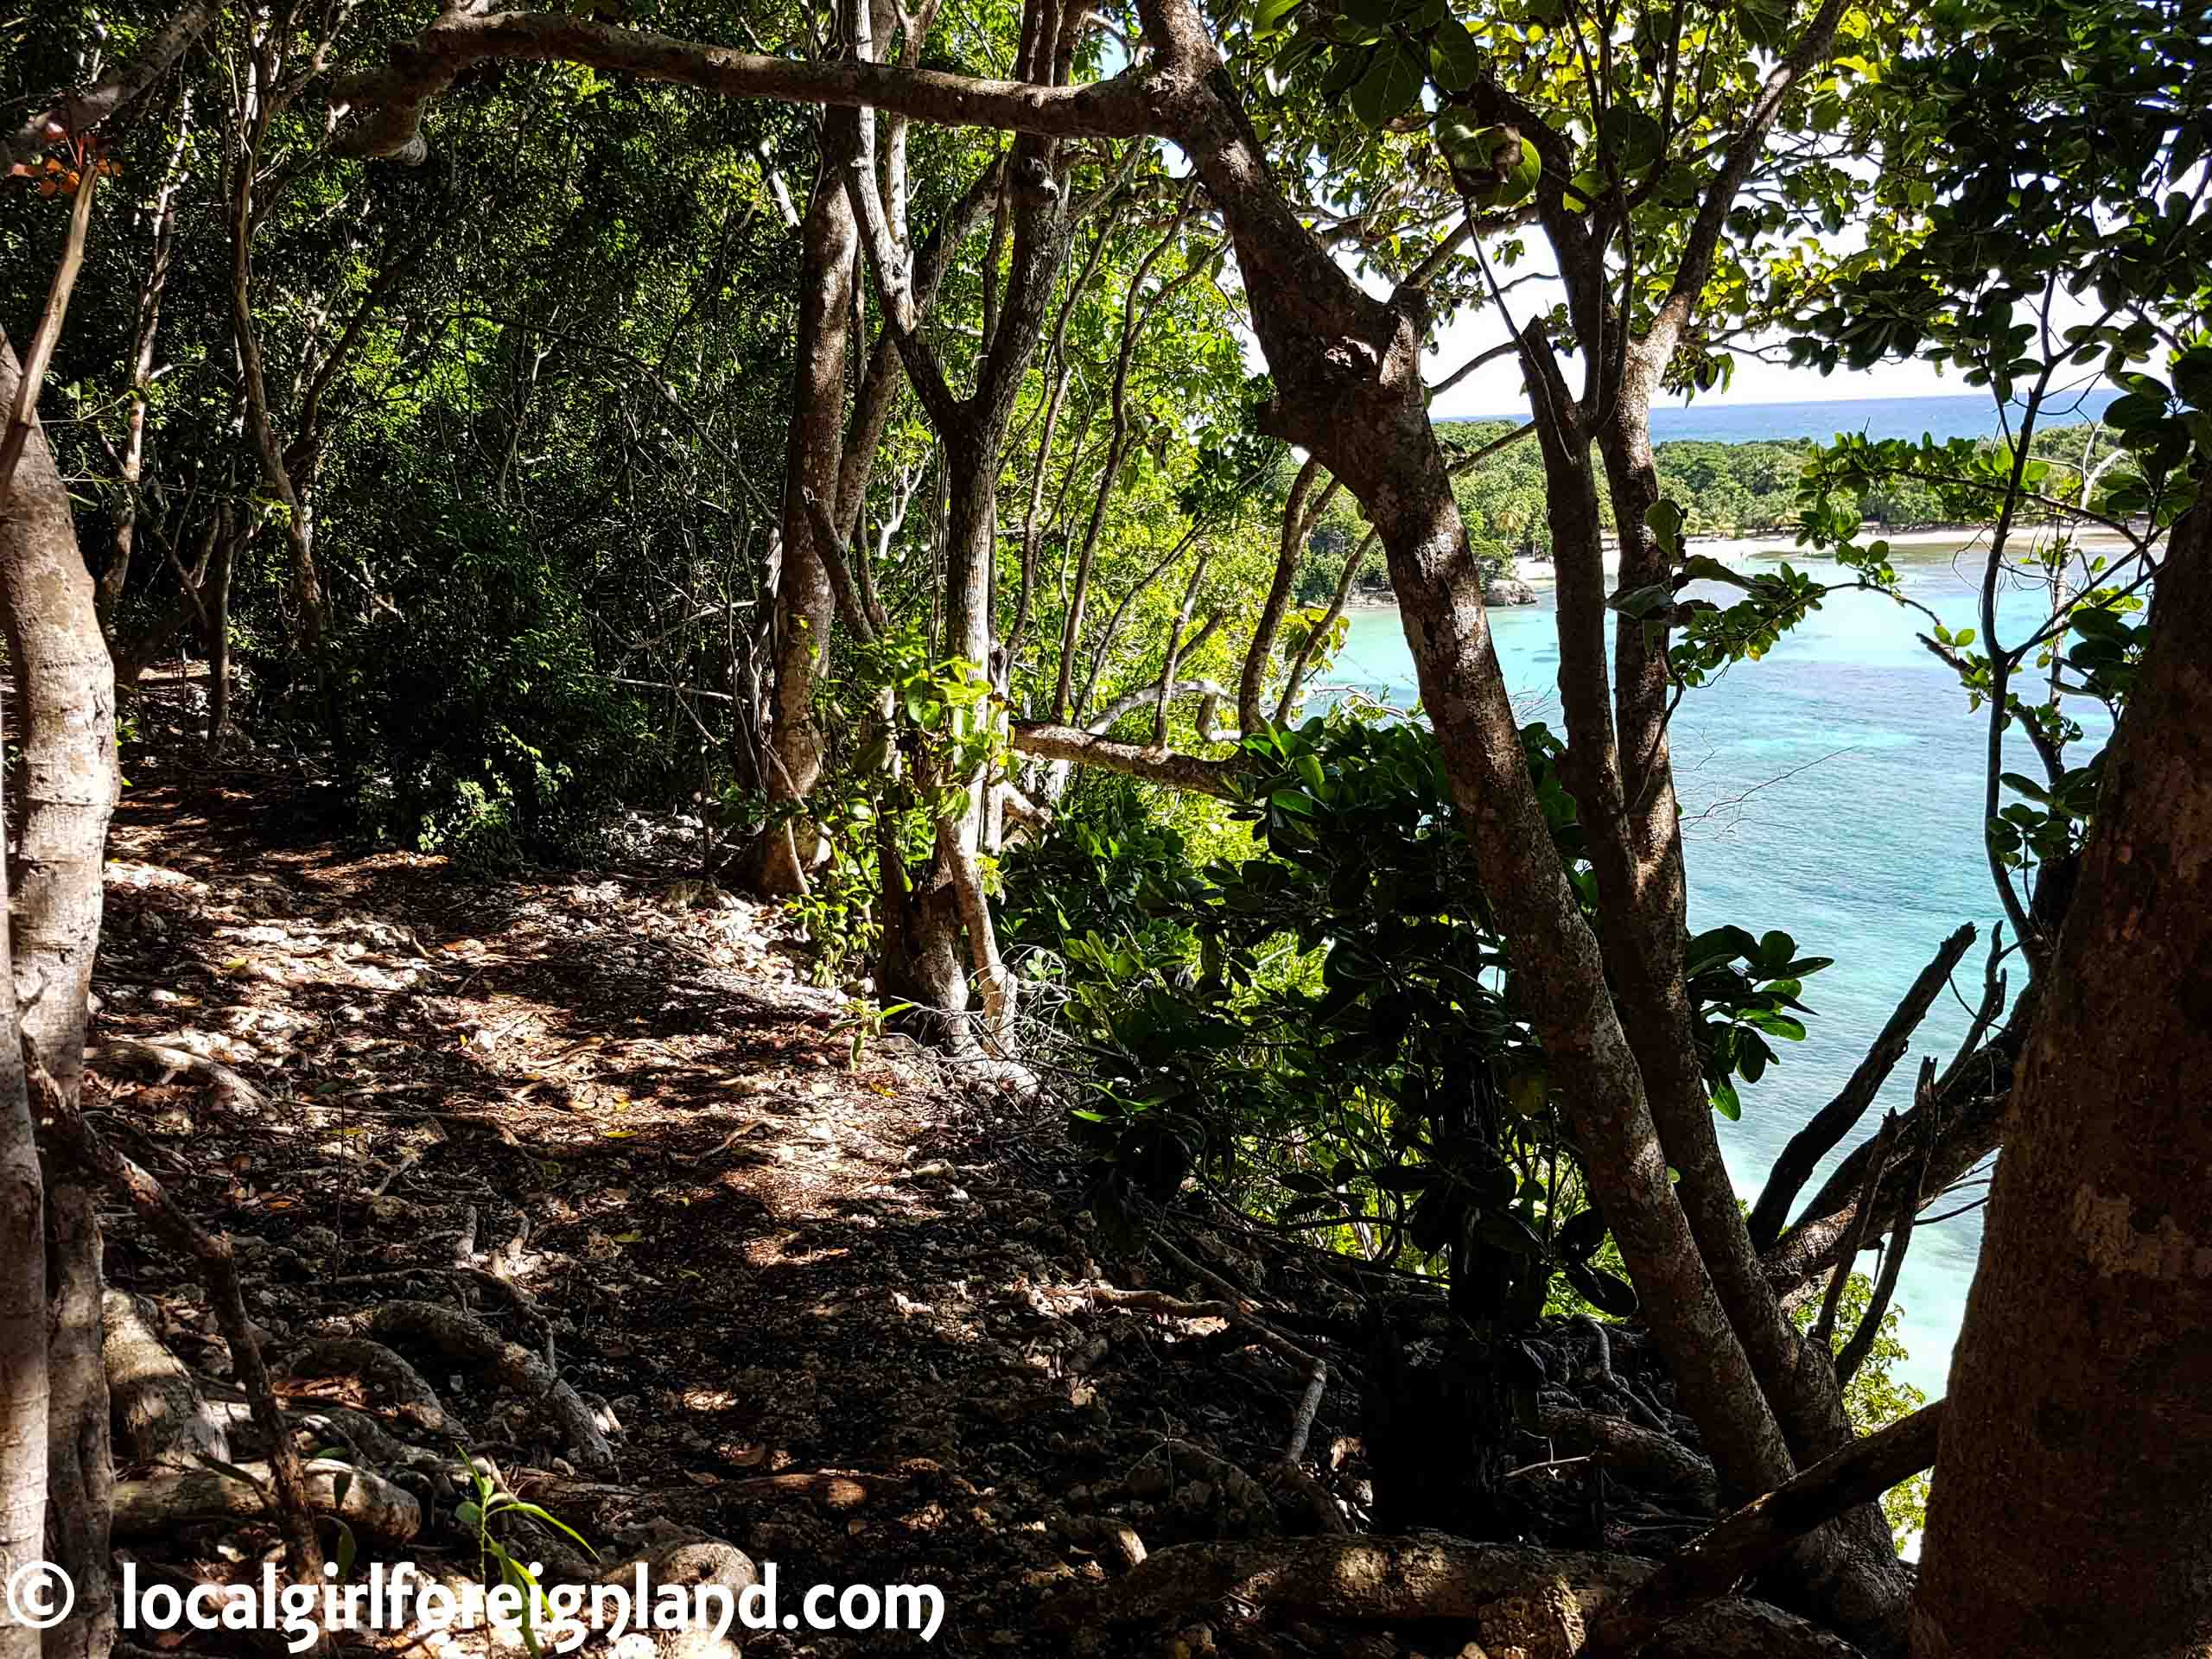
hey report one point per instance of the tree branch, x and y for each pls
(1870, 1324)
(1048, 741)
(80, 113)
(1827, 1127)
(389, 102)
(1765, 1529)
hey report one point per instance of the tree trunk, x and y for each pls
(66, 689)
(22, 1317)
(115, 574)
(804, 603)
(1636, 848)
(2072, 1504)
(215, 595)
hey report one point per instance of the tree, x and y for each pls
(2070, 1491)
(1346, 386)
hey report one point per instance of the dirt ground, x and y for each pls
(764, 1255)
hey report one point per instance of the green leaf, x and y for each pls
(1602, 1290)
(1456, 58)
(1273, 17)
(1517, 182)
(1405, 1178)
(1509, 1233)
(1582, 1234)
(2134, 411)
(1664, 521)
(1633, 138)
(1388, 89)
(537, 1513)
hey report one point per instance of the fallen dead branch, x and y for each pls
(465, 1337)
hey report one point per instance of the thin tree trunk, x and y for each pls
(298, 513)
(115, 574)
(23, 1400)
(66, 689)
(2071, 1511)
(804, 603)
(216, 596)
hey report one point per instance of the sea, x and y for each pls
(1973, 416)
(1832, 789)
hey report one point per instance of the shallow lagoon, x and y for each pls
(1832, 789)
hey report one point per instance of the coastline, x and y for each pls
(1735, 551)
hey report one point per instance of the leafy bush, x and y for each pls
(472, 719)
(1331, 1031)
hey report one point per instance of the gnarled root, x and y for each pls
(160, 1415)
(364, 1502)
(469, 1339)
(1537, 1603)
(388, 1378)
(1646, 1459)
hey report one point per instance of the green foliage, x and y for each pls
(486, 1517)
(1329, 1030)
(471, 718)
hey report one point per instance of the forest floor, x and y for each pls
(830, 1305)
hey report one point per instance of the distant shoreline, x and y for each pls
(1730, 550)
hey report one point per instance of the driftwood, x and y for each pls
(1537, 1603)
(160, 1416)
(465, 1337)
(367, 1502)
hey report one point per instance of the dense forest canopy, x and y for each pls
(916, 467)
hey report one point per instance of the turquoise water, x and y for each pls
(1833, 790)
(1970, 415)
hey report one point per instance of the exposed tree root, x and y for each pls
(160, 1415)
(1534, 1604)
(386, 1376)
(1762, 1531)
(1645, 1457)
(364, 1502)
(463, 1336)
(172, 1062)
(67, 1131)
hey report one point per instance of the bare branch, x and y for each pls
(1870, 1325)
(390, 101)
(1048, 741)
(80, 113)
(1827, 1127)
